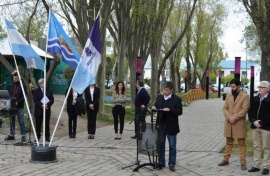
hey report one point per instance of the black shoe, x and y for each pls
(134, 137)
(9, 138)
(159, 167)
(23, 139)
(70, 136)
(253, 169)
(74, 136)
(35, 141)
(265, 172)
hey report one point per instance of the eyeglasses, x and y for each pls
(259, 87)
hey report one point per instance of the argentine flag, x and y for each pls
(91, 58)
(20, 47)
(59, 42)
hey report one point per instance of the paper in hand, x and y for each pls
(45, 100)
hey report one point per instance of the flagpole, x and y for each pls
(58, 119)
(60, 114)
(45, 88)
(25, 98)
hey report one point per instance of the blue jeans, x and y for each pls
(172, 147)
(20, 115)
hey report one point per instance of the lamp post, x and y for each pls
(237, 66)
(186, 75)
(251, 82)
(219, 83)
(207, 83)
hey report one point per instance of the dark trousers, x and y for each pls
(118, 112)
(139, 119)
(92, 118)
(39, 120)
(72, 120)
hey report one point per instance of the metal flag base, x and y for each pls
(46, 154)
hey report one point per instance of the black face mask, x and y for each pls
(235, 91)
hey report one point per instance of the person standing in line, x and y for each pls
(92, 95)
(38, 95)
(235, 109)
(141, 101)
(169, 107)
(259, 117)
(72, 111)
(15, 92)
(118, 110)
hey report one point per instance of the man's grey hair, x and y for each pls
(168, 84)
(267, 84)
(41, 80)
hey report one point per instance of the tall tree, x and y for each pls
(207, 52)
(189, 16)
(118, 27)
(259, 11)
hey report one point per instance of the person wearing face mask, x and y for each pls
(259, 117)
(235, 109)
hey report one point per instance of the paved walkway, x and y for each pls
(199, 142)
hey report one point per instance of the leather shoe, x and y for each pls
(9, 138)
(243, 167)
(265, 172)
(159, 166)
(172, 168)
(133, 137)
(253, 169)
(223, 163)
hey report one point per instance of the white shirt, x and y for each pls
(75, 95)
(167, 97)
(92, 92)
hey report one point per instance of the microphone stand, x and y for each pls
(136, 117)
(139, 134)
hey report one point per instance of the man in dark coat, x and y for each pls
(48, 101)
(169, 107)
(259, 117)
(15, 92)
(141, 101)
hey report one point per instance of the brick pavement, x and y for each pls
(199, 142)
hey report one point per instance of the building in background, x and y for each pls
(227, 68)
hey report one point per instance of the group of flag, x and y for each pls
(85, 66)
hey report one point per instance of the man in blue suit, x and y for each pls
(141, 101)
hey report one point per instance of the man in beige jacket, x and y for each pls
(235, 109)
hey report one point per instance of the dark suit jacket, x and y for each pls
(142, 98)
(88, 99)
(171, 117)
(79, 106)
(19, 94)
(259, 110)
(37, 96)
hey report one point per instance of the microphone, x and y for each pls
(2, 83)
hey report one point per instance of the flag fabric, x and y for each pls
(19, 46)
(91, 58)
(59, 42)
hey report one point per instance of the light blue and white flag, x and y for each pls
(59, 42)
(91, 58)
(19, 46)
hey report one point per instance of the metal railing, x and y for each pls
(194, 94)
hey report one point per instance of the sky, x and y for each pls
(234, 31)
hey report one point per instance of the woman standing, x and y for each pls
(92, 95)
(118, 111)
(72, 112)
